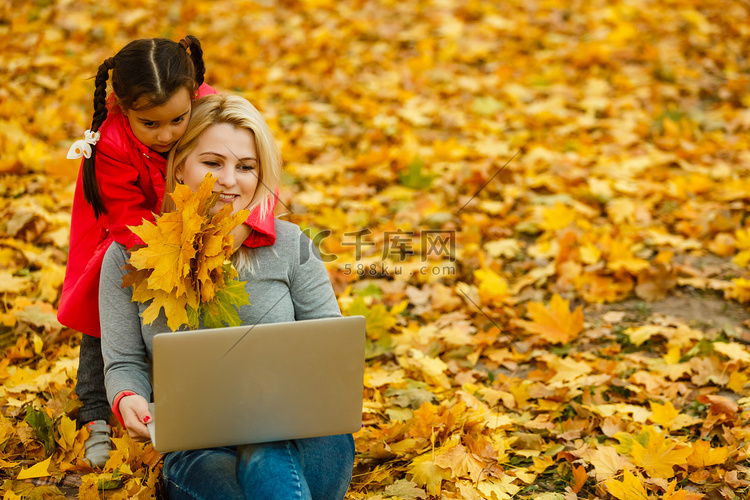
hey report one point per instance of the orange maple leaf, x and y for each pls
(557, 324)
(580, 476)
(704, 456)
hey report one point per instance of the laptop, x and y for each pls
(257, 383)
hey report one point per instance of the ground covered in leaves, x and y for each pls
(539, 206)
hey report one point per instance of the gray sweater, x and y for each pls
(288, 282)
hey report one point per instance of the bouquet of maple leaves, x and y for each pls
(185, 266)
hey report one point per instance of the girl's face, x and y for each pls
(229, 154)
(161, 127)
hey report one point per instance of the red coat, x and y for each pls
(131, 183)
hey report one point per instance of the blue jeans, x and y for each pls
(315, 468)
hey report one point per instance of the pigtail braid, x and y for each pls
(196, 54)
(90, 185)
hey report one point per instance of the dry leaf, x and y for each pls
(630, 182)
(630, 488)
(556, 324)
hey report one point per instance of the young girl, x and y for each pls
(228, 138)
(121, 182)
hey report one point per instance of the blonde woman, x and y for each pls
(228, 138)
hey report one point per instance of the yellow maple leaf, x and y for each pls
(621, 257)
(379, 319)
(607, 462)
(740, 290)
(462, 462)
(703, 455)
(641, 334)
(433, 369)
(185, 269)
(492, 288)
(733, 350)
(499, 489)
(630, 488)
(621, 210)
(40, 469)
(468, 490)
(89, 487)
(13, 284)
(425, 472)
(671, 494)
(520, 394)
(737, 381)
(742, 242)
(659, 455)
(541, 464)
(742, 259)
(742, 238)
(175, 309)
(557, 217)
(67, 433)
(51, 277)
(590, 254)
(162, 252)
(566, 369)
(557, 324)
(663, 414)
(199, 202)
(602, 288)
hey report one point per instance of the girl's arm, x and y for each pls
(124, 198)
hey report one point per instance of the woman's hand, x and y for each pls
(240, 233)
(135, 416)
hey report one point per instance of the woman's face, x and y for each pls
(229, 154)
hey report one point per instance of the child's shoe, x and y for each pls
(98, 444)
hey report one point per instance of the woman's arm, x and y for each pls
(310, 286)
(133, 414)
(125, 356)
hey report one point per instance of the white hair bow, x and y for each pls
(82, 147)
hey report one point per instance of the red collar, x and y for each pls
(264, 231)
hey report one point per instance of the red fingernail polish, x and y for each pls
(146, 420)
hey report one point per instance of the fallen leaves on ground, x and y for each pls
(541, 208)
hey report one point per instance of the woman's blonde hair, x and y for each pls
(238, 112)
